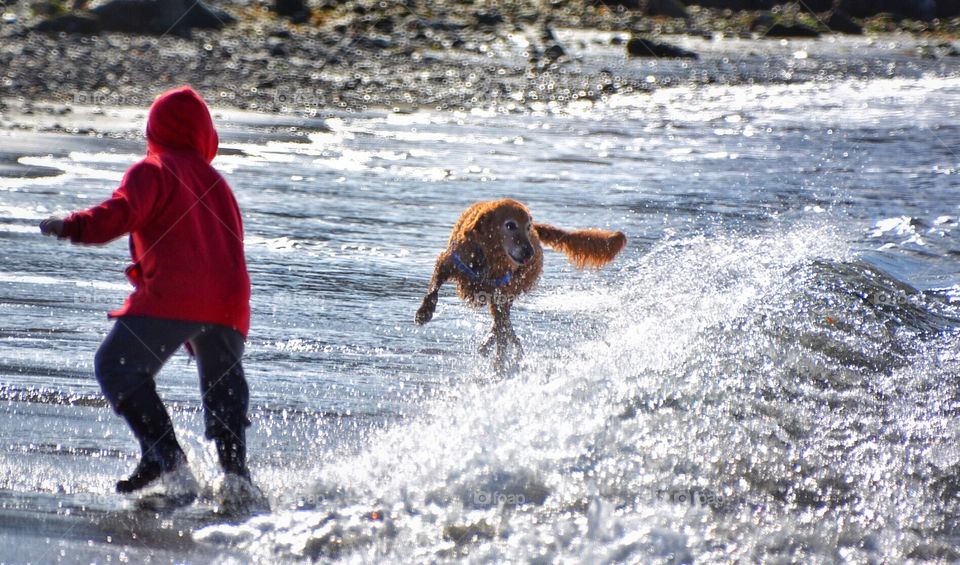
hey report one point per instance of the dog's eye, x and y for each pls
(511, 225)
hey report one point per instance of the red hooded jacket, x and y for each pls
(186, 235)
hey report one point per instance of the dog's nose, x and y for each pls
(527, 252)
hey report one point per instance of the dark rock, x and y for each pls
(641, 47)
(276, 47)
(779, 30)
(71, 23)
(158, 17)
(667, 8)
(288, 8)
(839, 22)
(492, 18)
(554, 52)
(49, 8)
(300, 17)
(384, 25)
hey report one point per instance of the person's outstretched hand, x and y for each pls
(52, 226)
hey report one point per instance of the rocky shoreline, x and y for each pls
(407, 55)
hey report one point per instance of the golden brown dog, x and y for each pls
(495, 254)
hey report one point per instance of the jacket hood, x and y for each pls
(180, 119)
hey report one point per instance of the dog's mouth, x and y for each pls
(518, 257)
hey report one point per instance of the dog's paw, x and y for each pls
(425, 312)
(424, 315)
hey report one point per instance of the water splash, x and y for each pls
(736, 402)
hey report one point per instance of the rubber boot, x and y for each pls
(238, 494)
(232, 453)
(160, 451)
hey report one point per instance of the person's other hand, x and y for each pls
(52, 226)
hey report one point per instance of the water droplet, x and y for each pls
(123, 360)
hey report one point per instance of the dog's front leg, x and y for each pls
(488, 341)
(493, 336)
(441, 272)
(510, 336)
(514, 340)
(504, 336)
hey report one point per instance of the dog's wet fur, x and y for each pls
(495, 254)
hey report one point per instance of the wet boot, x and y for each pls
(232, 453)
(161, 454)
(147, 472)
(238, 495)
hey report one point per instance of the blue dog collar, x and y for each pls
(475, 276)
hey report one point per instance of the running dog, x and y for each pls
(495, 255)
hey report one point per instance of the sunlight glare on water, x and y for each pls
(765, 373)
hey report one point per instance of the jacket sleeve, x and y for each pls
(124, 212)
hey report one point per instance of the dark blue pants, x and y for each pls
(138, 346)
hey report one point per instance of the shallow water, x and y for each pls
(766, 373)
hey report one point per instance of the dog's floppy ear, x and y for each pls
(584, 248)
(478, 229)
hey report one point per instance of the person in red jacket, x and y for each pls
(190, 287)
